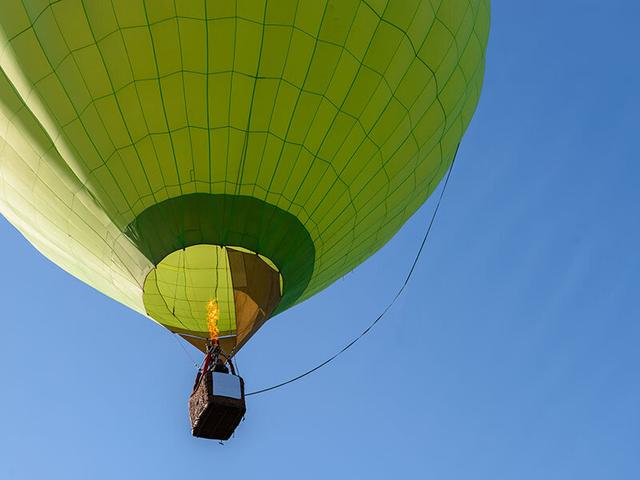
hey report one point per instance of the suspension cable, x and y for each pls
(386, 309)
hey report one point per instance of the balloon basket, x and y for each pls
(217, 406)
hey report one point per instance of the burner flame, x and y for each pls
(213, 314)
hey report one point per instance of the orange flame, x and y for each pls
(213, 313)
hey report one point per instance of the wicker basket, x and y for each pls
(217, 406)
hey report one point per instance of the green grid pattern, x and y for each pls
(344, 113)
(178, 290)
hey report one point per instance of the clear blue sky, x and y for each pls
(513, 354)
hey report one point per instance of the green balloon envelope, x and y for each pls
(292, 137)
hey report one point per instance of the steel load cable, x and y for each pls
(386, 309)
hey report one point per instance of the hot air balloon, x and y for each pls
(210, 164)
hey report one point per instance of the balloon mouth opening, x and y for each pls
(221, 220)
(211, 292)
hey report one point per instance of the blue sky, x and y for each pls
(513, 353)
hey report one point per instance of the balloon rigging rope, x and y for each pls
(386, 309)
